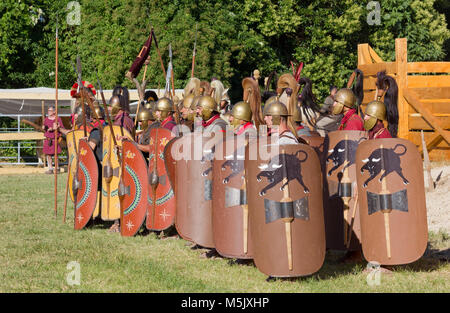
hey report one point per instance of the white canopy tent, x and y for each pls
(29, 100)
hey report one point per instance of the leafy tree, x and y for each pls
(234, 38)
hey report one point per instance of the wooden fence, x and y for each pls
(423, 96)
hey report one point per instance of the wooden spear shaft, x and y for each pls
(69, 173)
(245, 220)
(56, 130)
(287, 220)
(386, 212)
(155, 172)
(345, 179)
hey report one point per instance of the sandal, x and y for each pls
(49, 172)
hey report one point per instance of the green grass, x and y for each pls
(36, 248)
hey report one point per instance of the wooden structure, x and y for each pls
(423, 96)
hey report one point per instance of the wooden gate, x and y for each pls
(423, 96)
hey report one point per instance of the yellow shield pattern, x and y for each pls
(111, 174)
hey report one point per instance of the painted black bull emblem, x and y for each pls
(274, 171)
(235, 162)
(374, 165)
(344, 150)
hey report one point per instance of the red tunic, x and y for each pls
(49, 135)
(352, 121)
(244, 127)
(124, 120)
(378, 132)
(168, 123)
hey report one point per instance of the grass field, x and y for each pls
(36, 248)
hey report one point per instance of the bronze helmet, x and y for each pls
(297, 116)
(114, 102)
(165, 106)
(241, 112)
(208, 105)
(150, 105)
(270, 100)
(99, 111)
(377, 111)
(79, 114)
(344, 97)
(186, 107)
(144, 116)
(276, 109)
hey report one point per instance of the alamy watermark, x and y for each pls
(374, 16)
(374, 276)
(74, 276)
(74, 15)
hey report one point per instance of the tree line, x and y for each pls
(233, 38)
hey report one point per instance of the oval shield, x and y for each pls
(134, 191)
(341, 209)
(286, 210)
(111, 174)
(392, 201)
(161, 198)
(230, 209)
(87, 182)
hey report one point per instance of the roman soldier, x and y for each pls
(146, 122)
(120, 109)
(187, 112)
(299, 127)
(164, 113)
(207, 109)
(344, 102)
(373, 120)
(100, 112)
(275, 115)
(241, 119)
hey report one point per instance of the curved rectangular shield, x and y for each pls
(87, 182)
(286, 211)
(161, 197)
(392, 201)
(134, 191)
(341, 205)
(230, 210)
(182, 184)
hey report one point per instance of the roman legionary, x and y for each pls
(275, 116)
(100, 112)
(345, 102)
(208, 110)
(299, 126)
(187, 113)
(241, 118)
(164, 113)
(373, 120)
(121, 111)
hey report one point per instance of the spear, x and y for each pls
(56, 118)
(159, 53)
(177, 118)
(194, 51)
(287, 220)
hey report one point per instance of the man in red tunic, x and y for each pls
(373, 120)
(345, 102)
(164, 113)
(241, 119)
(120, 110)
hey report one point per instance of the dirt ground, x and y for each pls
(438, 200)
